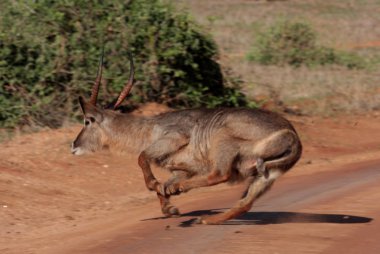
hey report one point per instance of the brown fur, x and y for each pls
(201, 147)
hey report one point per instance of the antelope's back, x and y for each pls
(255, 123)
(241, 122)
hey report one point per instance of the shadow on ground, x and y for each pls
(265, 218)
(190, 214)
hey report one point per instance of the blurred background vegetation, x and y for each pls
(295, 44)
(49, 52)
(304, 57)
(345, 80)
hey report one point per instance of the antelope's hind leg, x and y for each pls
(261, 169)
(275, 146)
(258, 186)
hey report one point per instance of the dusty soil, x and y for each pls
(53, 202)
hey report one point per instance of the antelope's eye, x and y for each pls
(89, 120)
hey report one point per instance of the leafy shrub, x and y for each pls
(295, 43)
(49, 52)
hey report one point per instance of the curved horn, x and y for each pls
(128, 86)
(95, 88)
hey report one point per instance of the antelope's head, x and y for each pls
(96, 120)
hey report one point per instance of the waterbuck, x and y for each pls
(201, 147)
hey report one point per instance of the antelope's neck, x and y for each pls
(127, 133)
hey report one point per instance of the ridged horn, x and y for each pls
(128, 86)
(95, 88)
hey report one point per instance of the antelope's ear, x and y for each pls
(90, 110)
(82, 104)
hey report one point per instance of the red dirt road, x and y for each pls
(305, 214)
(53, 202)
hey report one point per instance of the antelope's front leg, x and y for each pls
(150, 181)
(220, 173)
(159, 150)
(179, 174)
(166, 207)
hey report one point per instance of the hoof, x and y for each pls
(154, 185)
(171, 211)
(198, 220)
(208, 221)
(161, 190)
(172, 189)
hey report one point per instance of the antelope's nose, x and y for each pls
(73, 149)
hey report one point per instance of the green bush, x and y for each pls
(295, 43)
(49, 52)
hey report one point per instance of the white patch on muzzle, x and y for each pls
(76, 150)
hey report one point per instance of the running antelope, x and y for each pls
(200, 147)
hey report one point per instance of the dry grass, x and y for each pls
(349, 25)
